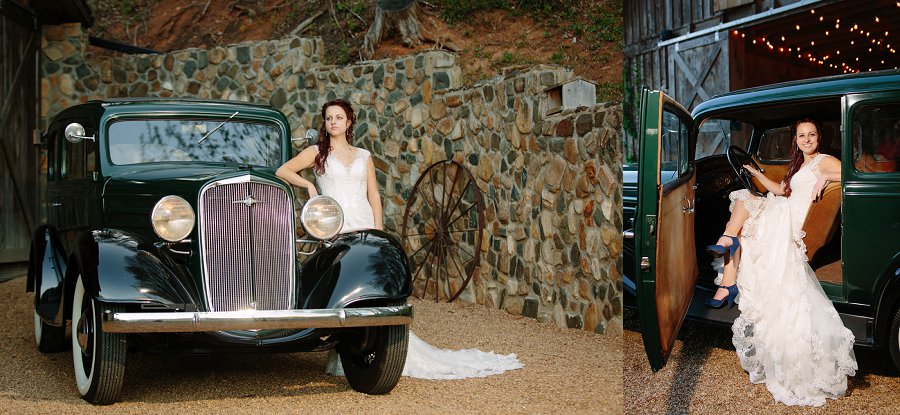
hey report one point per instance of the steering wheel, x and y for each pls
(737, 158)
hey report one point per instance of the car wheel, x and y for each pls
(373, 362)
(894, 343)
(50, 339)
(99, 357)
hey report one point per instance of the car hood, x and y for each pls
(175, 179)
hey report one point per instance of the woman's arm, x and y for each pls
(769, 184)
(372, 193)
(289, 171)
(829, 171)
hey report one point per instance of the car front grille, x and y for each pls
(247, 237)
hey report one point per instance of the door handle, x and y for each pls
(55, 204)
(645, 264)
(689, 209)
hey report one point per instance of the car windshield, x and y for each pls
(225, 140)
(717, 133)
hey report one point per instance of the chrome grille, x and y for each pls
(247, 235)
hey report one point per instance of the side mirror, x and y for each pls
(311, 137)
(75, 133)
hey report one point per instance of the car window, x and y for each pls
(775, 145)
(716, 133)
(78, 158)
(673, 151)
(213, 140)
(876, 138)
(53, 141)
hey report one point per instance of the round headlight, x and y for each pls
(322, 217)
(172, 218)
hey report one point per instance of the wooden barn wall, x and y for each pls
(751, 68)
(18, 172)
(685, 77)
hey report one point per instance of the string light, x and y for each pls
(779, 43)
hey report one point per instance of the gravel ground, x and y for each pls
(566, 371)
(703, 375)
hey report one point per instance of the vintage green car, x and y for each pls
(168, 231)
(852, 233)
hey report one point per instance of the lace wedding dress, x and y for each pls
(347, 185)
(788, 334)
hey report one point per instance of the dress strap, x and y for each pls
(814, 164)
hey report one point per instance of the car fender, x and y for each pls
(46, 271)
(119, 267)
(358, 266)
(888, 299)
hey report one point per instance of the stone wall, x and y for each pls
(553, 202)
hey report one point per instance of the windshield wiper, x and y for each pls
(217, 127)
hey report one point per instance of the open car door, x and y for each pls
(665, 254)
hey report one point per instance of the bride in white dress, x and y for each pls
(788, 334)
(347, 174)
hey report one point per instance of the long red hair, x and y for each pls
(796, 153)
(324, 142)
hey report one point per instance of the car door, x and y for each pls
(871, 205)
(665, 260)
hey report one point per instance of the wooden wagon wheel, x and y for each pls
(442, 228)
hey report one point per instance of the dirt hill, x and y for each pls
(490, 36)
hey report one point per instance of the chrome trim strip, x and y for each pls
(186, 322)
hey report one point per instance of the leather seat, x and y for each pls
(822, 220)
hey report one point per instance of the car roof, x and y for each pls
(111, 105)
(799, 90)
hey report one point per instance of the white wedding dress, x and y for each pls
(788, 334)
(347, 185)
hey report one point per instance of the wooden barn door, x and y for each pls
(697, 72)
(18, 153)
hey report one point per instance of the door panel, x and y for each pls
(676, 261)
(665, 260)
(871, 205)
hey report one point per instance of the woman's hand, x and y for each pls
(311, 188)
(753, 172)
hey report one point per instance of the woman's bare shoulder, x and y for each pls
(829, 162)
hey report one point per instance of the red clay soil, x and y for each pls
(488, 43)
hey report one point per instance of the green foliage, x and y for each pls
(457, 10)
(606, 24)
(609, 92)
(558, 57)
(342, 54)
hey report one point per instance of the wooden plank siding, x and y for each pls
(18, 152)
(690, 71)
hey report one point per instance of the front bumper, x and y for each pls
(187, 322)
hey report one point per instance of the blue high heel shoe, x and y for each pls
(729, 299)
(728, 251)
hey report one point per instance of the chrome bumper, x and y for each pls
(185, 322)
